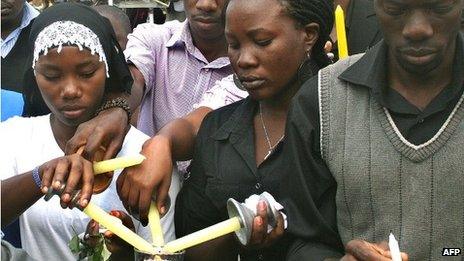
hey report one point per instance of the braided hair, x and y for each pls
(313, 11)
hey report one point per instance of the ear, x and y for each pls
(311, 35)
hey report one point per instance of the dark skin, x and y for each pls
(265, 50)
(421, 39)
(136, 185)
(12, 13)
(72, 84)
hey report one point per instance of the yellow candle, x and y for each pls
(206, 234)
(117, 228)
(341, 33)
(155, 225)
(117, 163)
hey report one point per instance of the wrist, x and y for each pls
(37, 177)
(117, 104)
(158, 145)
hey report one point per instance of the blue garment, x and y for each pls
(11, 104)
(29, 14)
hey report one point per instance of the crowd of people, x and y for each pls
(241, 98)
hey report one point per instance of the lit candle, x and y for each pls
(201, 236)
(118, 228)
(155, 225)
(117, 163)
(341, 33)
(394, 248)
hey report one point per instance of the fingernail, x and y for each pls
(57, 184)
(66, 197)
(44, 189)
(163, 210)
(262, 205)
(259, 221)
(84, 202)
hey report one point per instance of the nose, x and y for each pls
(246, 59)
(418, 27)
(71, 89)
(207, 5)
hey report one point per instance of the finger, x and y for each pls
(145, 198)
(87, 184)
(364, 251)
(125, 192)
(47, 174)
(94, 142)
(348, 257)
(162, 194)
(258, 232)
(73, 180)
(92, 228)
(61, 172)
(261, 210)
(133, 201)
(278, 231)
(328, 47)
(113, 148)
(124, 217)
(77, 141)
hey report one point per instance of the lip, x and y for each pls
(251, 82)
(418, 55)
(73, 113)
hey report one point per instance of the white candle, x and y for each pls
(394, 248)
(201, 236)
(117, 163)
(118, 228)
(155, 225)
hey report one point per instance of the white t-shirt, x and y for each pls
(46, 228)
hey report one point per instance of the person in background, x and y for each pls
(373, 144)
(17, 17)
(74, 61)
(238, 147)
(119, 20)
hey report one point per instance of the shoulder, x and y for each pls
(18, 124)
(157, 32)
(223, 114)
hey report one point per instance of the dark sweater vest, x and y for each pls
(14, 64)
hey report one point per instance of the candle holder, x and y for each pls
(161, 256)
(246, 215)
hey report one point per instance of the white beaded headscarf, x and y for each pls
(65, 33)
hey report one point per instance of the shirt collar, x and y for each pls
(29, 14)
(238, 122)
(183, 38)
(369, 71)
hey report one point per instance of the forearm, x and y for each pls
(15, 201)
(179, 135)
(223, 248)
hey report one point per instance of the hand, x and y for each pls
(107, 130)
(74, 171)
(120, 250)
(365, 251)
(259, 236)
(136, 184)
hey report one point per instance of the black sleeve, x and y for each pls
(194, 210)
(308, 189)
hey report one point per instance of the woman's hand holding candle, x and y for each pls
(259, 236)
(363, 250)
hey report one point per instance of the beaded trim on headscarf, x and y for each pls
(62, 33)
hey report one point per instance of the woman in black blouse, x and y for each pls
(238, 147)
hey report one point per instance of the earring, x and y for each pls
(238, 83)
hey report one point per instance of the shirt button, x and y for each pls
(421, 121)
(258, 186)
(260, 257)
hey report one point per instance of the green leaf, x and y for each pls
(74, 244)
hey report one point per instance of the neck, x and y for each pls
(61, 132)
(420, 90)
(210, 48)
(278, 105)
(10, 26)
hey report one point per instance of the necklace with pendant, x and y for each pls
(271, 147)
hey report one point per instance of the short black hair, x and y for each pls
(117, 14)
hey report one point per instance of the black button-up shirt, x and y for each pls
(224, 167)
(309, 188)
